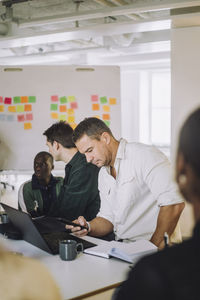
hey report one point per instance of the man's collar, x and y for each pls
(121, 149)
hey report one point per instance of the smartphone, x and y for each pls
(68, 222)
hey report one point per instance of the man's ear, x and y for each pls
(56, 145)
(105, 137)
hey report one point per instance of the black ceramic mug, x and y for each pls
(68, 249)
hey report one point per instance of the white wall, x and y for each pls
(185, 66)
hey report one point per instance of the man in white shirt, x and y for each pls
(139, 200)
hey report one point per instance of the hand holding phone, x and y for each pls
(68, 222)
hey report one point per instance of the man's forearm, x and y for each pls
(100, 227)
(166, 222)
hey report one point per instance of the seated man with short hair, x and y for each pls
(38, 195)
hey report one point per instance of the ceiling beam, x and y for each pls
(135, 8)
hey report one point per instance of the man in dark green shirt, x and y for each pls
(79, 194)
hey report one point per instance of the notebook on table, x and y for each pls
(35, 232)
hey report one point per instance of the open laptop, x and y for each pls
(44, 233)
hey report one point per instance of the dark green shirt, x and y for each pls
(79, 194)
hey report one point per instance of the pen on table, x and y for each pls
(166, 239)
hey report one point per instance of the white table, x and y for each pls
(84, 276)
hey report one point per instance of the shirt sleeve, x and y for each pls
(156, 172)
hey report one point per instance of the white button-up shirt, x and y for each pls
(143, 183)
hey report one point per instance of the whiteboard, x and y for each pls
(32, 98)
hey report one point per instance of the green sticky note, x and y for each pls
(31, 99)
(62, 117)
(107, 123)
(63, 99)
(16, 100)
(20, 108)
(103, 100)
(54, 106)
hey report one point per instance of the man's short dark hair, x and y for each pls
(92, 127)
(60, 132)
(45, 155)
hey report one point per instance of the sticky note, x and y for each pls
(71, 98)
(1, 99)
(10, 118)
(20, 108)
(70, 111)
(62, 117)
(63, 99)
(54, 98)
(95, 106)
(96, 116)
(73, 125)
(71, 119)
(27, 126)
(112, 101)
(106, 117)
(107, 122)
(74, 105)
(103, 100)
(24, 99)
(16, 100)
(31, 99)
(20, 118)
(2, 117)
(54, 115)
(27, 107)
(1, 108)
(106, 108)
(29, 117)
(7, 100)
(54, 106)
(63, 108)
(94, 98)
(12, 108)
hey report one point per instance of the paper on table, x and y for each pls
(125, 251)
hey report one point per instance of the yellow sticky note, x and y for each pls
(27, 125)
(98, 117)
(70, 111)
(62, 117)
(73, 125)
(112, 101)
(71, 119)
(71, 98)
(20, 108)
(54, 115)
(1, 108)
(12, 108)
(106, 108)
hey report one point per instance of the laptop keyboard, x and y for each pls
(52, 239)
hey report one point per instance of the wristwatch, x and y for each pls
(88, 226)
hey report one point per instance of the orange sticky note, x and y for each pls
(73, 125)
(12, 108)
(112, 101)
(95, 106)
(1, 108)
(54, 115)
(27, 107)
(63, 108)
(98, 117)
(27, 125)
(106, 117)
(24, 99)
(106, 108)
(71, 119)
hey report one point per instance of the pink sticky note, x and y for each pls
(20, 118)
(29, 117)
(7, 100)
(73, 105)
(1, 99)
(54, 98)
(94, 98)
